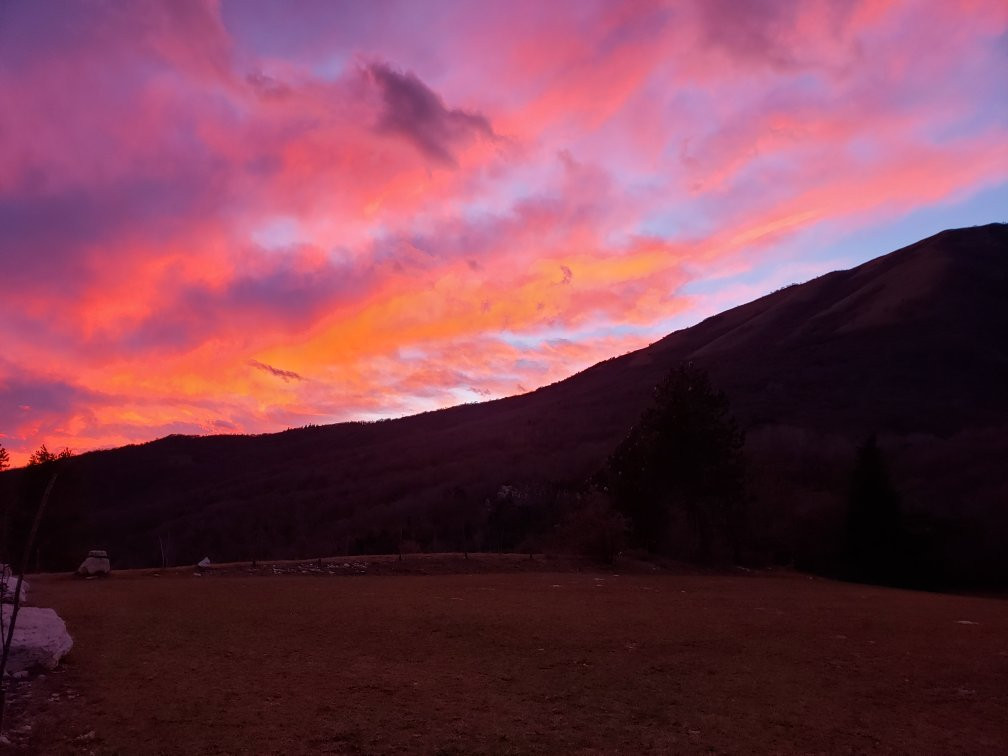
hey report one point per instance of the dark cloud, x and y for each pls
(764, 32)
(751, 32)
(274, 292)
(267, 87)
(568, 275)
(43, 237)
(288, 292)
(286, 375)
(47, 236)
(40, 403)
(418, 114)
(185, 35)
(67, 28)
(219, 425)
(39, 395)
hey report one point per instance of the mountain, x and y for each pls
(912, 346)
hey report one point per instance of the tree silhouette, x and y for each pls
(874, 518)
(59, 540)
(42, 455)
(679, 475)
(4, 458)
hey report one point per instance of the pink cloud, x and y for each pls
(450, 185)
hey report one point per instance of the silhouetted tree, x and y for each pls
(4, 458)
(679, 475)
(874, 520)
(43, 455)
(63, 533)
(518, 516)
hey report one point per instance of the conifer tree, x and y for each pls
(682, 463)
(874, 518)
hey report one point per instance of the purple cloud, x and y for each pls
(415, 112)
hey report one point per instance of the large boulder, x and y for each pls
(40, 639)
(97, 563)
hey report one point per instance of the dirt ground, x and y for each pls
(514, 662)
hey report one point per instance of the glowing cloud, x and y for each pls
(224, 217)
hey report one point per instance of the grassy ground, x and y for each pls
(515, 663)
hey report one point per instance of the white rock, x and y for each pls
(40, 639)
(204, 563)
(97, 563)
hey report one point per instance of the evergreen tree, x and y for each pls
(679, 475)
(4, 459)
(874, 518)
(43, 456)
(61, 536)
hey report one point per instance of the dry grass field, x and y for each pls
(515, 663)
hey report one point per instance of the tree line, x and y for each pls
(40, 456)
(676, 486)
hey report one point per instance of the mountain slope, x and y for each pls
(912, 344)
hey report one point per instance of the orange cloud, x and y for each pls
(217, 228)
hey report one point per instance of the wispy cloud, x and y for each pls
(451, 185)
(286, 375)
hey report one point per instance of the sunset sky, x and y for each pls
(248, 216)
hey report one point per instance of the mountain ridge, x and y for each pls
(907, 344)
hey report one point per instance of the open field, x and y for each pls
(515, 663)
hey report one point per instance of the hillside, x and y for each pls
(912, 345)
